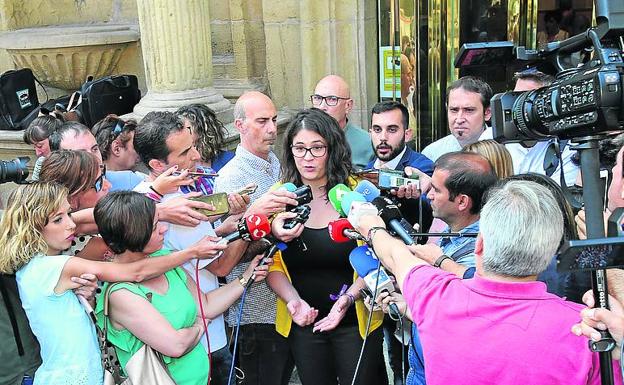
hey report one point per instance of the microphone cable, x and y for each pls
(203, 317)
(399, 319)
(237, 329)
(368, 322)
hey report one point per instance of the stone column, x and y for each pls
(177, 55)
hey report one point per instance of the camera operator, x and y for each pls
(521, 324)
(541, 156)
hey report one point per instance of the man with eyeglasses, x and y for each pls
(332, 95)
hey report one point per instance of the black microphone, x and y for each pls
(391, 215)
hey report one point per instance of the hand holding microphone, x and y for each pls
(367, 267)
(250, 228)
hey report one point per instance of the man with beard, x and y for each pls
(389, 132)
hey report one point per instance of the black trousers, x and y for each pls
(264, 355)
(330, 358)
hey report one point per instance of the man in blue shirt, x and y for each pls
(458, 186)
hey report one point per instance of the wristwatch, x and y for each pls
(441, 258)
(243, 281)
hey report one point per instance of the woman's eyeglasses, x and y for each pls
(301, 151)
(99, 182)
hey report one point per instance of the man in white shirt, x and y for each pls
(468, 108)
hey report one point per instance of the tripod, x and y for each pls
(593, 199)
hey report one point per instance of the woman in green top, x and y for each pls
(163, 311)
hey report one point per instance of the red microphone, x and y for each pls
(341, 231)
(251, 228)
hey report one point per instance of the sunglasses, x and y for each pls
(119, 127)
(99, 182)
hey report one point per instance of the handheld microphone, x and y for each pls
(368, 190)
(281, 246)
(341, 231)
(367, 266)
(391, 215)
(349, 199)
(251, 228)
(335, 195)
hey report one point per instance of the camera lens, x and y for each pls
(14, 170)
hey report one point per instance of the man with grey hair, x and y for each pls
(501, 326)
(260, 347)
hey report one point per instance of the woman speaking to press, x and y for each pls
(319, 309)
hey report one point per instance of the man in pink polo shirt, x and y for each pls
(501, 327)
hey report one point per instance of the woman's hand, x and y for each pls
(167, 183)
(260, 271)
(88, 287)
(208, 247)
(302, 314)
(278, 230)
(335, 315)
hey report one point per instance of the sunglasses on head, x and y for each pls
(99, 182)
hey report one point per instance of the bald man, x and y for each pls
(332, 95)
(261, 347)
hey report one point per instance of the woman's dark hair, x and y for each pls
(109, 129)
(76, 170)
(125, 220)
(569, 227)
(338, 165)
(41, 128)
(210, 131)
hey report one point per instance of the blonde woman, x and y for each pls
(35, 227)
(496, 153)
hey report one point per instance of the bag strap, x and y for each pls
(12, 318)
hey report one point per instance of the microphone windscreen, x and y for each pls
(349, 198)
(362, 260)
(336, 230)
(368, 190)
(335, 195)
(258, 226)
(388, 210)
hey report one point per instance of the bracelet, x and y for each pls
(155, 191)
(350, 297)
(441, 258)
(372, 232)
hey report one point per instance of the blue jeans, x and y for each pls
(264, 355)
(221, 361)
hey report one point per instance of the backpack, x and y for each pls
(19, 103)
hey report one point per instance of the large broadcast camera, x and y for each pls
(14, 170)
(584, 105)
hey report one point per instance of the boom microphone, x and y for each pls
(366, 266)
(341, 231)
(391, 215)
(251, 228)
